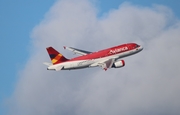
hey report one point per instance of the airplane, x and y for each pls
(106, 59)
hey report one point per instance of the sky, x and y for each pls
(148, 84)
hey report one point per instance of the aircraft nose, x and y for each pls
(140, 48)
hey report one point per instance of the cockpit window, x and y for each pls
(137, 46)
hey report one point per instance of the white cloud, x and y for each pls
(148, 84)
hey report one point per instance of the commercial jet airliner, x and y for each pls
(107, 58)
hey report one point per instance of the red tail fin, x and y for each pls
(55, 56)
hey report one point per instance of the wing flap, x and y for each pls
(105, 64)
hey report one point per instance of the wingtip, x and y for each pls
(64, 47)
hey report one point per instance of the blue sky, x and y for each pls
(173, 4)
(17, 19)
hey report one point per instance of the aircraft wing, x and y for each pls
(77, 51)
(105, 64)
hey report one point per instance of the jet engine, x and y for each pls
(118, 64)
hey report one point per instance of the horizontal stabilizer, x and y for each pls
(59, 68)
(48, 64)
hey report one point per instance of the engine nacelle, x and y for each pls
(118, 64)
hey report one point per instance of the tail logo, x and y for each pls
(55, 59)
(55, 56)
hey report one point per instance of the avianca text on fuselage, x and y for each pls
(107, 58)
(118, 50)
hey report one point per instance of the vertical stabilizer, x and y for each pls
(55, 56)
